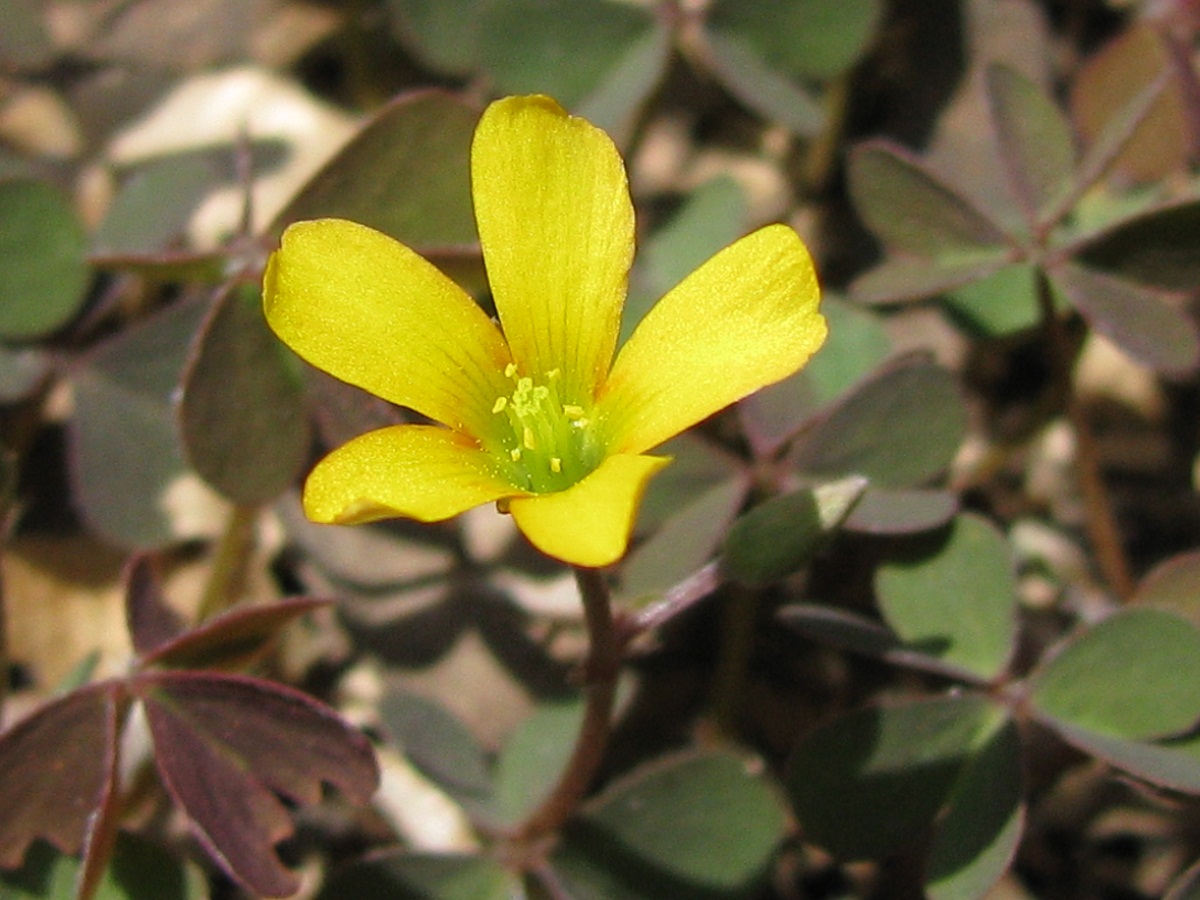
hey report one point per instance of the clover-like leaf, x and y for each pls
(898, 428)
(1152, 328)
(408, 875)
(125, 451)
(782, 534)
(977, 837)
(55, 766)
(405, 174)
(912, 208)
(870, 782)
(696, 825)
(243, 419)
(43, 265)
(1159, 247)
(1034, 138)
(1121, 678)
(225, 745)
(955, 601)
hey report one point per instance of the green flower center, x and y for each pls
(546, 444)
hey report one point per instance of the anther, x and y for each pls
(499, 405)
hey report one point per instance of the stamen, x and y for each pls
(527, 439)
(510, 370)
(515, 454)
(499, 405)
(555, 465)
(569, 410)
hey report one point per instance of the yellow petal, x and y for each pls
(406, 471)
(745, 319)
(370, 311)
(556, 224)
(590, 523)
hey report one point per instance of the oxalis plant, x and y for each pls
(546, 569)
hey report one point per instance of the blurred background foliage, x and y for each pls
(920, 620)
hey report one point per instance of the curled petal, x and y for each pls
(413, 471)
(745, 319)
(370, 311)
(590, 523)
(556, 225)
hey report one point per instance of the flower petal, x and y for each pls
(745, 319)
(590, 523)
(556, 224)
(412, 471)
(368, 310)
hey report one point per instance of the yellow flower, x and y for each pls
(539, 417)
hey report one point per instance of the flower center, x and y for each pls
(548, 444)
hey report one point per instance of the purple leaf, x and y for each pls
(152, 623)
(225, 745)
(231, 639)
(54, 770)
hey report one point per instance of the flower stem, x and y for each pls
(606, 650)
(229, 562)
(1101, 521)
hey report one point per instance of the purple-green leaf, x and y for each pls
(900, 511)
(151, 622)
(1159, 247)
(243, 417)
(1034, 139)
(898, 429)
(1151, 327)
(904, 279)
(406, 173)
(54, 771)
(911, 208)
(226, 745)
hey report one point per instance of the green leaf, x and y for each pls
(406, 875)
(43, 259)
(406, 174)
(1034, 138)
(1121, 678)
(533, 759)
(763, 89)
(1159, 247)
(684, 542)
(813, 39)
(439, 745)
(871, 782)
(1174, 585)
(782, 534)
(139, 870)
(154, 204)
(1002, 303)
(1173, 764)
(898, 429)
(911, 208)
(565, 48)
(710, 219)
(445, 34)
(243, 418)
(697, 825)
(955, 601)
(976, 839)
(900, 511)
(125, 452)
(1152, 328)
(902, 279)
